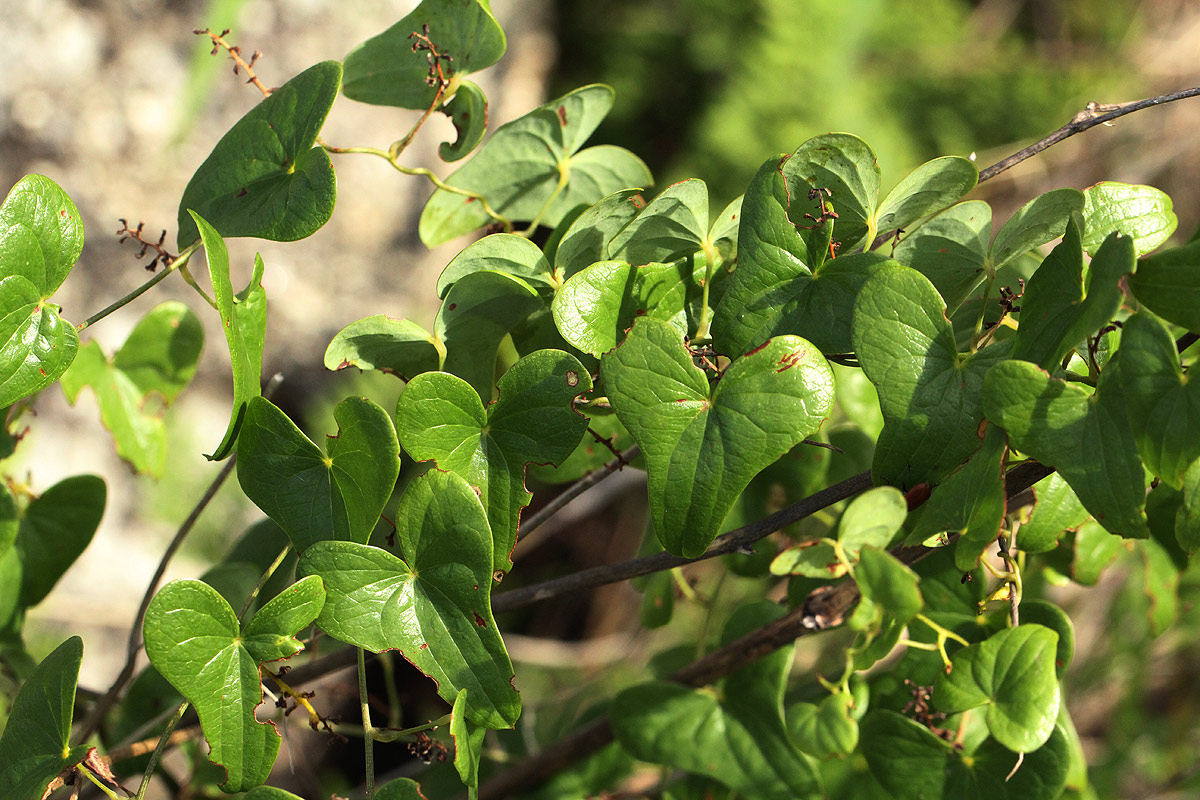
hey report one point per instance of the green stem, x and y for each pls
(87, 772)
(262, 581)
(385, 735)
(178, 263)
(393, 695)
(563, 175)
(156, 756)
(368, 731)
(186, 274)
(710, 258)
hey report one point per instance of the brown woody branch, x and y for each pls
(235, 53)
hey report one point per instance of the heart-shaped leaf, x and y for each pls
(1168, 283)
(929, 393)
(313, 496)
(826, 729)
(387, 70)
(467, 111)
(38, 346)
(36, 744)
(1056, 511)
(737, 736)
(1141, 213)
(887, 583)
(1164, 408)
(1086, 437)
(244, 320)
(500, 252)
(950, 249)
(439, 417)
(703, 445)
(434, 606)
(41, 233)
(532, 169)
(398, 347)
(928, 189)
(1051, 616)
(1063, 304)
(132, 389)
(673, 225)
(193, 639)
(264, 178)
(844, 166)
(56, 527)
(1042, 219)
(589, 237)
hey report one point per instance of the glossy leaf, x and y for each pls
(386, 69)
(1063, 303)
(931, 187)
(193, 638)
(398, 347)
(826, 729)
(1012, 673)
(468, 745)
(439, 417)
(1041, 220)
(1057, 510)
(703, 445)
(929, 393)
(313, 496)
(467, 111)
(1164, 407)
(1168, 283)
(36, 743)
(740, 739)
(844, 165)
(589, 237)
(41, 234)
(264, 178)
(533, 168)
(55, 529)
(244, 320)
(433, 606)
(950, 249)
(133, 387)
(500, 252)
(673, 225)
(1086, 437)
(39, 344)
(889, 584)
(1142, 213)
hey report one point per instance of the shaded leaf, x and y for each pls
(467, 111)
(1042, 219)
(673, 225)
(1048, 615)
(889, 584)
(825, 729)
(1161, 585)
(55, 529)
(1095, 549)
(399, 347)
(500, 252)
(929, 188)
(589, 237)
(1187, 518)
(1168, 283)
(1057, 510)
(950, 249)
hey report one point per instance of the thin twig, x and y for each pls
(235, 53)
(574, 490)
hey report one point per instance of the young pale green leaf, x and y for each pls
(55, 529)
(160, 355)
(193, 639)
(387, 70)
(589, 237)
(313, 496)
(597, 305)
(826, 729)
(971, 502)
(775, 289)
(872, 519)
(1086, 437)
(929, 393)
(926, 190)
(532, 168)
(479, 310)
(889, 584)
(467, 111)
(845, 167)
(1012, 673)
(500, 252)
(39, 344)
(36, 744)
(1142, 213)
(1187, 517)
(1063, 304)
(672, 226)
(1168, 283)
(41, 233)
(264, 178)
(723, 234)
(439, 417)
(434, 606)
(950, 249)
(398, 347)
(1056, 511)
(244, 320)
(1042, 219)
(703, 445)
(1095, 550)
(1051, 616)
(468, 745)
(1161, 584)
(740, 739)
(1164, 407)
(813, 559)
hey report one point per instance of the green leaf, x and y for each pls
(1086, 437)
(1187, 517)
(314, 496)
(479, 310)
(672, 226)
(824, 730)
(500, 252)
(467, 111)
(532, 168)
(817, 558)
(264, 178)
(244, 320)
(193, 639)
(439, 417)
(889, 584)
(1012, 673)
(929, 188)
(929, 393)
(36, 742)
(1164, 408)
(38, 346)
(703, 445)
(775, 288)
(1063, 303)
(1161, 585)
(55, 529)
(844, 165)
(950, 249)
(434, 606)
(468, 745)
(387, 70)
(1051, 616)
(41, 233)
(132, 389)
(1057, 510)
(736, 735)
(400, 789)
(872, 519)
(1042, 219)
(1095, 549)
(1168, 283)
(396, 346)
(1142, 213)
(589, 237)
